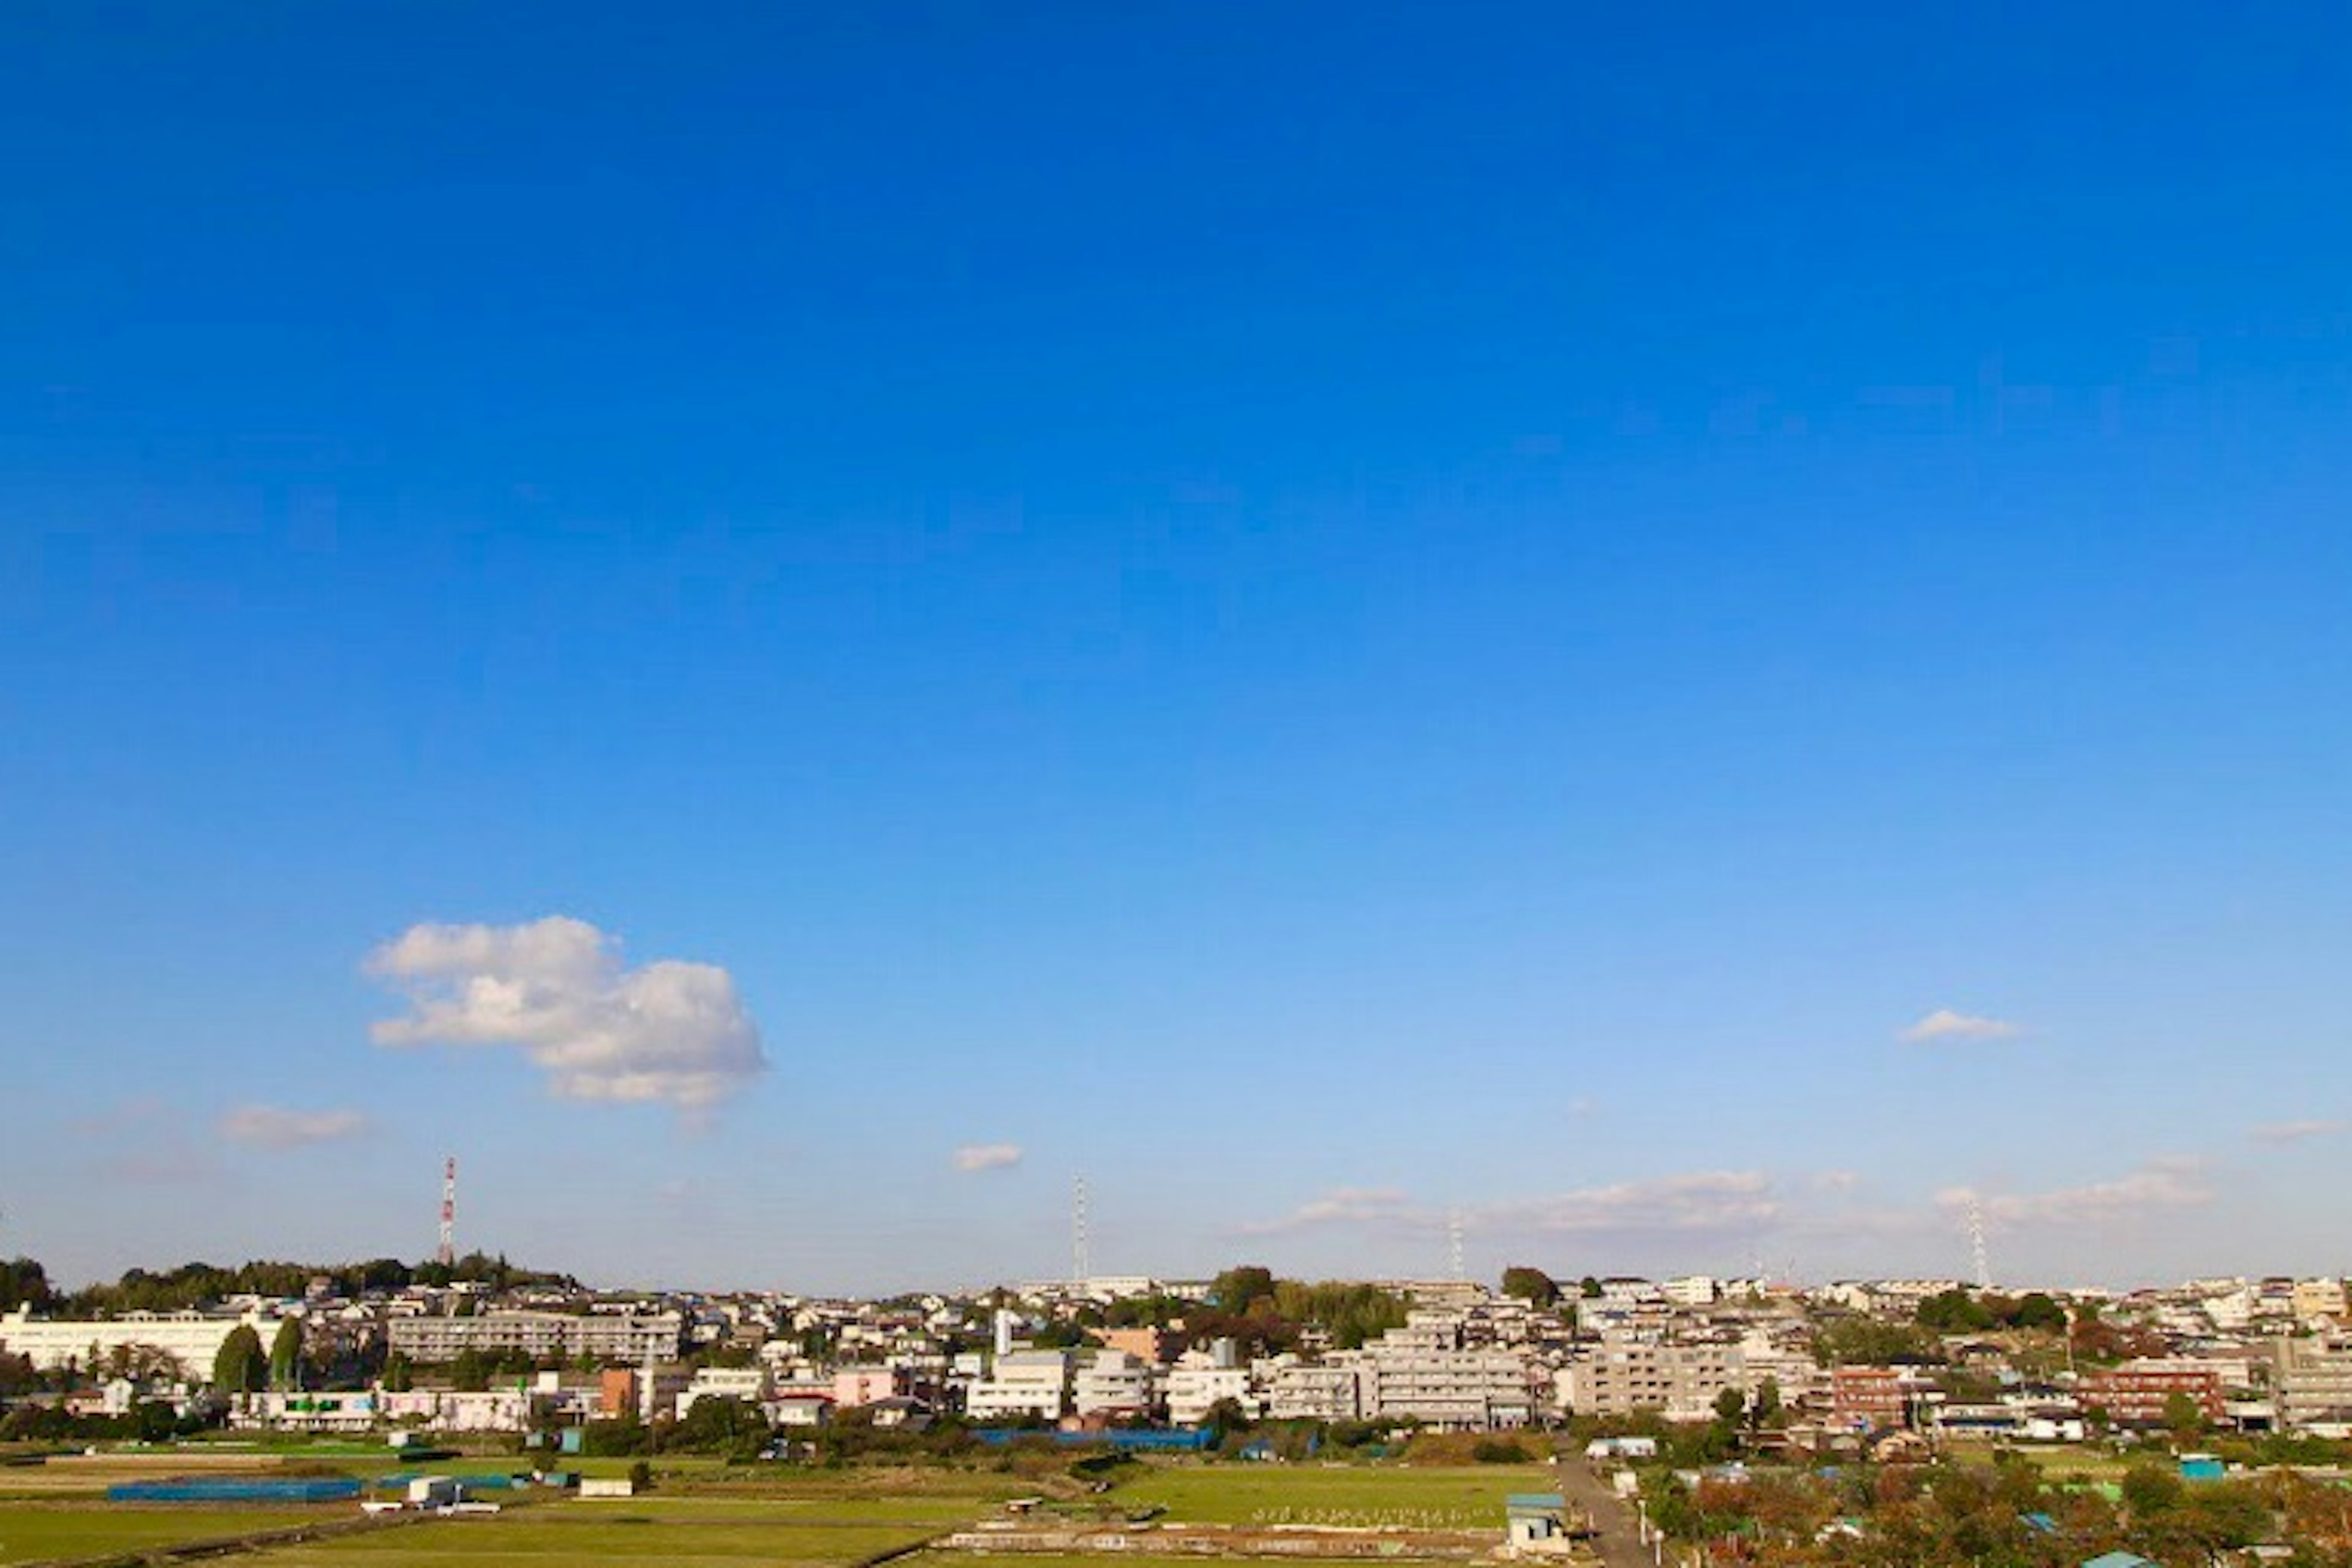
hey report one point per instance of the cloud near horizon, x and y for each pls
(987, 1156)
(2296, 1131)
(276, 1127)
(1944, 1024)
(1694, 1202)
(555, 989)
(2157, 1185)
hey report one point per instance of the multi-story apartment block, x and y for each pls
(1620, 1376)
(2311, 1382)
(2136, 1393)
(2318, 1301)
(1314, 1391)
(191, 1340)
(1867, 1398)
(1113, 1383)
(628, 1337)
(1023, 1384)
(1195, 1391)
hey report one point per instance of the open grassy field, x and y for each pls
(1468, 1498)
(617, 1532)
(30, 1533)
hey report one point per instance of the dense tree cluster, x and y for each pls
(1958, 1312)
(1263, 1313)
(198, 1284)
(2003, 1514)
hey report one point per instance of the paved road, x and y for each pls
(1618, 1538)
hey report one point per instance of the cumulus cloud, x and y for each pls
(278, 1128)
(2156, 1187)
(556, 990)
(1944, 1024)
(2296, 1131)
(987, 1156)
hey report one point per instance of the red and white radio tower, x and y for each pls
(448, 1253)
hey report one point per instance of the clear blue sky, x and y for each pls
(1326, 615)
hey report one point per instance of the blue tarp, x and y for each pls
(309, 1489)
(1152, 1438)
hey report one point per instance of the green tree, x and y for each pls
(240, 1366)
(1954, 1311)
(25, 1283)
(1239, 1288)
(470, 1372)
(398, 1376)
(2150, 1492)
(2038, 1310)
(286, 1356)
(1532, 1286)
(719, 1424)
(2183, 1417)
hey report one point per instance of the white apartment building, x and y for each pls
(1314, 1391)
(1026, 1382)
(748, 1384)
(1195, 1391)
(1620, 1376)
(191, 1338)
(1422, 1371)
(629, 1337)
(1113, 1383)
(1691, 1290)
(2311, 1382)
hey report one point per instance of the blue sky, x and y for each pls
(1328, 618)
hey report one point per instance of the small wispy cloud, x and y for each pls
(1944, 1024)
(1342, 1206)
(1837, 1181)
(276, 1127)
(2159, 1185)
(987, 1156)
(1677, 1205)
(2296, 1131)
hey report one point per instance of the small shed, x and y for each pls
(1535, 1517)
(2121, 1560)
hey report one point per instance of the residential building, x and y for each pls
(602, 1336)
(2311, 1382)
(1620, 1376)
(191, 1340)
(1024, 1384)
(1193, 1391)
(1113, 1383)
(2137, 1392)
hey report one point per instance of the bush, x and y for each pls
(1499, 1451)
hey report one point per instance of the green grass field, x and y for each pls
(618, 1531)
(31, 1532)
(1468, 1498)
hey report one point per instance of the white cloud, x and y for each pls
(1837, 1181)
(987, 1156)
(556, 990)
(275, 1127)
(1344, 1205)
(1944, 1024)
(2157, 1185)
(2296, 1131)
(1698, 1201)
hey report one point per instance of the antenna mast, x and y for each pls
(1976, 1243)
(448, 1253)
(1454, 1244)
(1081, 1266)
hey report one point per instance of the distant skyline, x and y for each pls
(1703, 639)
